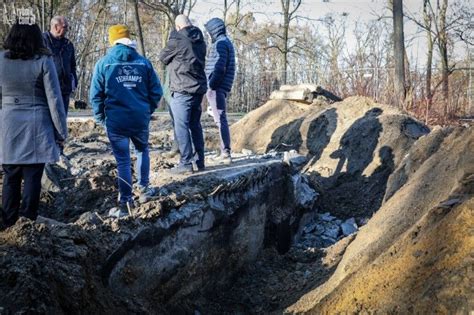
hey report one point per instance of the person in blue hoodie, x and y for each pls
(220, 71)
(124, 93)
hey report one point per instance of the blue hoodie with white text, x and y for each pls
(125, 90)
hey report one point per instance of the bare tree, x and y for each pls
(443, 50)
(399, 51)
(289, 8)
(336, 31)
(171, 8)
(428, 20)
(136, 15)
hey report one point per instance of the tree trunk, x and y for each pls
(226, 8)
(285, 4)
(443, 51)
(429, 58)
(141, 47)
(399, 52)
(51, 9)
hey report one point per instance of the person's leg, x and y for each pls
(196, 129)
(140, 141)
(174, 145)
(11, 193)
(121, 149)
(217, 101)
(181, 107)
(32, 174)
(66, 102)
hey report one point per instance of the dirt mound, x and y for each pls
(49, 269)
(267, 127)
(353, 146)
(415, 254)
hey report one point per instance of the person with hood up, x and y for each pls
(220, 71)
(124, 93)
(184, 56)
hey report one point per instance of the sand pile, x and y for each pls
(414, 188)
(415, 254)
(353, 146)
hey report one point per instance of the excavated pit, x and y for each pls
(274, 232)
(195, 236)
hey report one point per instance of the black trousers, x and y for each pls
(14, 205)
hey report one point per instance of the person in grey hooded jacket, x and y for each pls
(220, 71)
(32, 119)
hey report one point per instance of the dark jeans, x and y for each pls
(186, 111)
(174, 145)
(66, 102)
(14, 205)
(217, 101)
(121, 148)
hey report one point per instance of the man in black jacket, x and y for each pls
(63, 56)
(184, 56)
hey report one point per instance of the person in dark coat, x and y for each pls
(63, 55)
(220, 71)
(184, 56)
(32, 120)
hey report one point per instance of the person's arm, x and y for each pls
(55, 101)
(97, 94)
(219, 71)
(170, 51)
(155, 91)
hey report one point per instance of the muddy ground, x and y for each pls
(408, 190)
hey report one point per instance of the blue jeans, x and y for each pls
(186, 110)
(217, 101)
(174, 146)
(121, 148)
(66, 98)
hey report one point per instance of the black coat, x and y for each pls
(64, 60)
(185, 57)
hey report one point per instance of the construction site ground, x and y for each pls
(389, 230)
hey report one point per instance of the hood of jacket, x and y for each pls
(122, 52)
(215, 27)
(192, 33)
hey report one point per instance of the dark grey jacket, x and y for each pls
(64, 60)
(220, 65)
(32, 115)
(185, 57)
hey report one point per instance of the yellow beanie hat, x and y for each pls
(118, 31)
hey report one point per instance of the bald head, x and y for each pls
(182, 21)
(59, 26)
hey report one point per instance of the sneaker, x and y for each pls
(182, 169)
(198, 167)
(123, 210)
(147, 193)
(224, 158)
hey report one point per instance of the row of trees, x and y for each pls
(292, 49)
